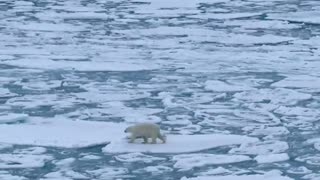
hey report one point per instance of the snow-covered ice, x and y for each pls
(59, 132)
(179, 144)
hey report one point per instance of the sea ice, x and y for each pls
(299, 81)
(258, 24)
(35, 101)
(89, 157)
(16, 161)
(298, 111)
(298, 16)
(275, 96)
(224, 16)
(189, 161)
(216, 171)
(241, 177)
(137, 157)
(220, 86)
(5, 93)
(179, 144)
(31, 150)
(299, 170)
(12, 118)
(155, 170)
(7, 176)
(310, 159)
(82, 65)
(271, 158)
(267, 131)
(65, 175)
(260, 148)
(61, 132)
(46, 27)
(109, 172)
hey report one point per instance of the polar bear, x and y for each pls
(145, 131)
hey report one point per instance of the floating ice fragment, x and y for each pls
(271, 158)
(189, 161)
(260, 148)
(16, 161)
(137, 157)
(220, 86)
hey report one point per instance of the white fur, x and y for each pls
(145, 131)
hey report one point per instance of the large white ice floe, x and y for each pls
(59, 132)
(241, 177)
(179, 143)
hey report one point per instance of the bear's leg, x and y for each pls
(132, 139)
(145, 140)
(162, 138)
(154, 139)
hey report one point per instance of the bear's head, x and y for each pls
(128, 129)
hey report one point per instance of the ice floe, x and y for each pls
(5, 93)
(216, 171)
(301, 81)
(224, 16)
(64, 175)
(90, 157)
(220, 86)
(137, 157)
(7, 176)
(179, 144)
(12, 118)
(310, 159)
(155, 170)
(312, 114)
(109, 172)
(267, 131)
(31, 150)
(275, 96)
(82, 65)
(299, 170)
(60, 132)
(299, 16)
(261, 147)
(258, 24)
(189, 161)
(16, 161)
(241, 177)
(271, 158)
